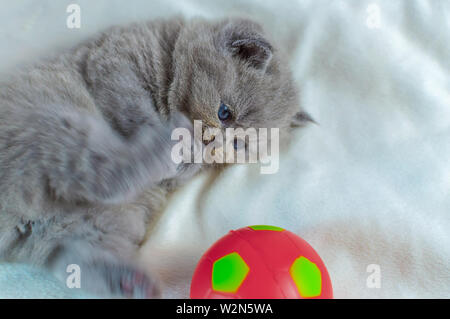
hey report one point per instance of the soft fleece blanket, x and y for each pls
(368, 187)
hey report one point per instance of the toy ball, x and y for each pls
(261, 262)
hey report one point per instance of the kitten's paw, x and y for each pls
(137, 285)
(120, 281)
(179, 121)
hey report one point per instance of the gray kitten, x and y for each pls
(85, 138)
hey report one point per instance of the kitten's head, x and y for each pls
(228, 74)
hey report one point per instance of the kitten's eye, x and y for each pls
(224, 113)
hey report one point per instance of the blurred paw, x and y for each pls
(115, 280)
(135, 284)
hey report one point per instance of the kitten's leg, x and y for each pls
(103, 245)
(78, 157)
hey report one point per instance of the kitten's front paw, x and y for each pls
(179, 121)
(137, 285)
(120, 281)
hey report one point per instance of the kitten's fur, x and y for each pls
(85, 138)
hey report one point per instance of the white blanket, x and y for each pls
(368, 187)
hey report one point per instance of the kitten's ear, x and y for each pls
(301, 119)
(244, 39)
(257, 52)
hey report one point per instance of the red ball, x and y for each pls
(261, 262)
